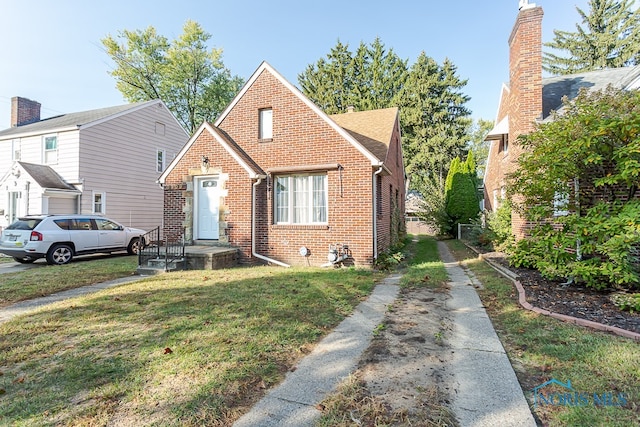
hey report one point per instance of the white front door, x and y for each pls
(208, 200)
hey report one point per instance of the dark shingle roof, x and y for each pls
(46, 177)
(68, 120)
(555, 88)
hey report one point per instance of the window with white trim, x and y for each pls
(99, 202)
(50, 149)
(300, 199)
(266, 124)
(15, 149)
(160, 160)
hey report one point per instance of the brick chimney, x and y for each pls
(24, 111)
(525, 85)
(525, 70)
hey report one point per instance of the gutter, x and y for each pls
(253, 225)
(375, 213)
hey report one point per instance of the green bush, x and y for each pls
(629, 302)
(598, 249)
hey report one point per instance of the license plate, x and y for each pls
(12, 238)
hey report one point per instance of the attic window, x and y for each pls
(265, 131)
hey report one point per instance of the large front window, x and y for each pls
(300, 199)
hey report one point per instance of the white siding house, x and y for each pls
(103, 161)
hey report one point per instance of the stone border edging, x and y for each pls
(522, 300)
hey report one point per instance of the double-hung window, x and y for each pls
(99, 202)
(50, 146)
(300, 199)
(160, 160)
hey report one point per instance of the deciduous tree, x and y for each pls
(190, 78)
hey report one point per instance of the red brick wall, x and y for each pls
(523, 102)
(300, 137)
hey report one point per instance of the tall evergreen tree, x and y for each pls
(188, 77)
(365, 80)
(435, 120)
(461, 192)
(610, 38)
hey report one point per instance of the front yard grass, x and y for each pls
(542, 348)
(46, 280)
(179, 349)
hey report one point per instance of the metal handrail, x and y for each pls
(153, 247)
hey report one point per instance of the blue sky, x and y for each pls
(50, 51)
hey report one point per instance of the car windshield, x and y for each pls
(24, 224)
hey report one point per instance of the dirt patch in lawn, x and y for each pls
(404, 369)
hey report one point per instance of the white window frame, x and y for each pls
(301, 199)
(16, 152)
(161, 160)
(265, 126)
(102, 203)
(50, 155)
(560, 204)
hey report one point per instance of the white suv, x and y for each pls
(59, 238)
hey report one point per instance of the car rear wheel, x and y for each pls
(23, 260)
(59, 254)
(134, 246)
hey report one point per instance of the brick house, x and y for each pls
(529, 99)
(284, 182)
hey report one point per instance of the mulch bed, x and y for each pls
(571, 300)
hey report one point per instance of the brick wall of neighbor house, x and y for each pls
(300, 138)
(523, 102)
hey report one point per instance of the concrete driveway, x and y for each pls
(12, 267)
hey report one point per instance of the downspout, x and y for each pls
(375, 213)
(253, 225)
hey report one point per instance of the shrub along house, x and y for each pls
(286, 183)
(529, 99)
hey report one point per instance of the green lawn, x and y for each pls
(46, 280)
(541, 348)
(185, 348)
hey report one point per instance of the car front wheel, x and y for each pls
(134, 246)
(59, 254)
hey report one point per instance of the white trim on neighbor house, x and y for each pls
(45, 151)
(103, 202)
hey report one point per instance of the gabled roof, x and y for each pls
(369, 132)
(373, 129)
(266, 67)
(555, 88)
(74, 120)
(43, 175)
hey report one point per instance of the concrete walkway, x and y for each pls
(293, 402)
(487, 392)
(23, 307)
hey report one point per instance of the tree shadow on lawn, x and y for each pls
(195, 349)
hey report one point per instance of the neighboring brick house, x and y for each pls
(104, 161)
(529, 99)
(283, 181)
